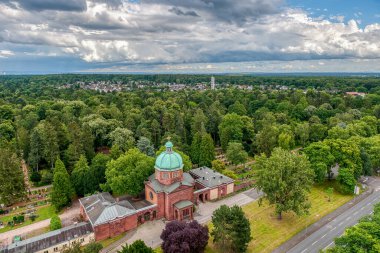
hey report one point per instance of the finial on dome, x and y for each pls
(169, 145)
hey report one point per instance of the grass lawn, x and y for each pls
(268, 232)
(43, 214)
(109, 241)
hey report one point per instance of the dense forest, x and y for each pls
(86, 130)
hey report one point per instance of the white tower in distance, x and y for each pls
(212, 82)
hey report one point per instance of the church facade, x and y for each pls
(170, 193)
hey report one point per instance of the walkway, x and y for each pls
(150, 232)
(68, 218)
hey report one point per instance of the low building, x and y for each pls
(356, 94)
(211, 184)
(54, 241)
(170, 193)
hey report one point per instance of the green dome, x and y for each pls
(169, 160)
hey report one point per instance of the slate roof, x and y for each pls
(49, 239)
(210, 178)
(183, 203)
(188, 180)
(102, 208)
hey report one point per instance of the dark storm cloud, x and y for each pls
(42, 5)
(179, 12)
(232, 11)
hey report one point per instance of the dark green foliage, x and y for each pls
(231, 229)
(82, 180)
(62, 191)
(202, 149)
(136, 247)
(97, 171)
(35, 177)
(11, 177)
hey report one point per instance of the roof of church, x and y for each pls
(102, 207)
(210, 178)
(188, 180)
(169, 159)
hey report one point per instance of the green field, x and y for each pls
(43, 214)
(268, 232)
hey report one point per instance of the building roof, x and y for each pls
(169, 159)
(49, 239)
(188, 180)
(183, 203)
(210, 178)
(102, 208)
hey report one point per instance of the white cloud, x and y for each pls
(5, 53)
(148, 32)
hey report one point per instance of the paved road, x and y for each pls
(324, 237)
(150, 232)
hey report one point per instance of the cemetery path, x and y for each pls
(68, 217)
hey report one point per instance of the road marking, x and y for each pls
(323, 236)
(340, 223)
(362, 208)
(368, 204)
(329, 245)
(314, 242)
(348, 218)
(333, 229)
(303, 250)
(355, 213)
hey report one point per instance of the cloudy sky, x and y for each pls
(189, 36)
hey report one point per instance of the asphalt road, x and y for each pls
(324, 237)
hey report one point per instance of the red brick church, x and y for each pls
(170, 193)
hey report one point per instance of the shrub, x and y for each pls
(35, 177)
(136, 247)
(55, 223)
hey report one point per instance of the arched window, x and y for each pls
(151, 195)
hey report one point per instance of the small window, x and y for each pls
(151, 195)
(165, 176)
(55, 249)
(46, 251)
(82, 240)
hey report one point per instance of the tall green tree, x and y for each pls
(98, 171)
(62, 191)
(321, 160)
(285, 179)
(230, 129)
(145, 146)
(81, 178)
(231, 229)
(122, 137)
(36, 148)
(207, 150)
(128, 173)
(11, 177)
(236, 153)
